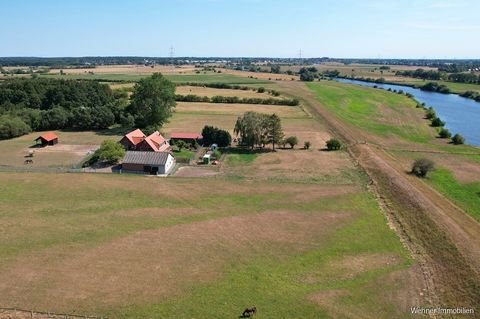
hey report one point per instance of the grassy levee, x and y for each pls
(375, 111)
(455, 279)
(465, 195)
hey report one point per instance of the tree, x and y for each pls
(444, 133)
(110, 151)
(307, 145)
(12, 126)
(153, 101)
(430, 113)
(180, 144)
(458, 139)
(292, 141)
(251, 129)
(215, 135)
(307, 76)
(275, 68)
(333, 144)
(436, 122)
(422, 166)
(274, 130)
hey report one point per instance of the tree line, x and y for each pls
(460, 77)
(235, 100)
(49, 104)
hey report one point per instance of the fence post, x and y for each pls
(31, 313)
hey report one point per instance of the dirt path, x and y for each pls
(403, 193)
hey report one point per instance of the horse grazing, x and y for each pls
(249, 312)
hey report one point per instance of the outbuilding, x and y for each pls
(49, 138)
(190, 138)
(151, 163)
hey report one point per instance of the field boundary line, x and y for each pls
(22, 313)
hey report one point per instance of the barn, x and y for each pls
(151, 163)
(190, 138)
(49, 138)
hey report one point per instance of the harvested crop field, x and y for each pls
(206, 91)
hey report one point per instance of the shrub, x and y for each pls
(458, 139)
(292, 141)
(216, 154)
(444, 133)
(261, 89)
(422, 166)
(12, 126)
(430, 114)
(333, 144)
(436, 122)
(307, 145)
(180, 144)
(110, 151)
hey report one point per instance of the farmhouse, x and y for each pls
(130, 140)
(155, 142)
(190, 138)
(138, 141)
(47, 139)
(152, 163)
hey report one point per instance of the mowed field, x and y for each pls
(294, 232)
(136, 247)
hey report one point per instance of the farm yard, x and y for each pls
(297, 232)
(73, 147)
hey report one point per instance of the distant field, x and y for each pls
(205, 91)
(131, 77)
(373, 71)
(238, 109)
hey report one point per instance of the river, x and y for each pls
(462, 115)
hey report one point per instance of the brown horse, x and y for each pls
(249, 312)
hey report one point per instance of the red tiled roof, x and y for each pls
(157, 142)
(135, 136)
(50, 136)
(186, 135)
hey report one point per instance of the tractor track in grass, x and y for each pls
(441, 236)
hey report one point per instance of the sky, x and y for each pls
(241, 28)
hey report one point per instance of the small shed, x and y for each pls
(49, 138)
(151, 163)
(206, 158)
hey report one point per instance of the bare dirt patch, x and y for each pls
(196, 171)
(158, 263)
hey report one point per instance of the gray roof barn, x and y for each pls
(145, 158)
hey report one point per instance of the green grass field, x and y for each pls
(202, 248)
(378, 112)
(467, 196)
(178, 78)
